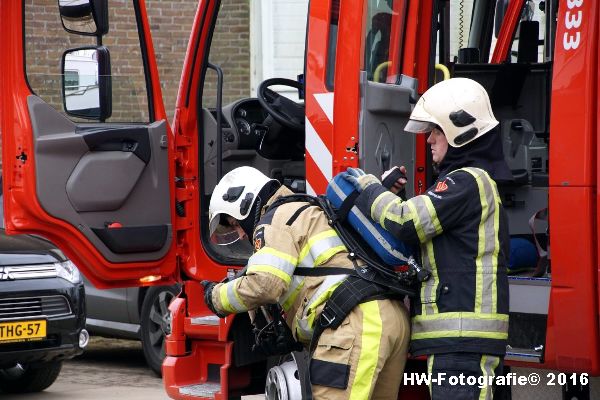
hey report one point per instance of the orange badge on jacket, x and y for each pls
(441, 186)
(259, 239)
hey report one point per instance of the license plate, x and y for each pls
(22, 331)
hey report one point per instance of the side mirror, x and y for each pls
(501, 7)
(84, 17)
(86, 83)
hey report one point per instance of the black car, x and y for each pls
(42, 313)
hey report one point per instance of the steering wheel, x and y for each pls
(285, 111)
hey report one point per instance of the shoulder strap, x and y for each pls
(323, 271)
(297, 214)
(291, 199)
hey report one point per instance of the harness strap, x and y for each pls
(323, 271)
(350, 293)
(389, 278)
(295, 216)
(346, 206)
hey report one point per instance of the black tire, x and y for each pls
(155, 322)
(29, 379)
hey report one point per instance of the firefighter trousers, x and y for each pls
(364, 357)
(480, 368)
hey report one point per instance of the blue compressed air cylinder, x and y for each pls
(391, 250)
(523, 255)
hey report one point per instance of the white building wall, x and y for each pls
(278, 32)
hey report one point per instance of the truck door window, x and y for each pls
(383, 40)
(46, 40)
(251, 133)
(332, 43)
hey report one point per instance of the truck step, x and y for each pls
(204, 390)
(525, 355)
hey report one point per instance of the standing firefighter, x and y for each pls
(460, 320)
(365, 355)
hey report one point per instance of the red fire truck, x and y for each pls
(128, 202)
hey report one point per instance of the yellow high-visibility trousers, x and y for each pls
(364, 357)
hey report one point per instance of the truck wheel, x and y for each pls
(289, 379)
(155, 323)
(29, 379)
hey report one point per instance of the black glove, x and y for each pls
(274, 338)
(208, 288)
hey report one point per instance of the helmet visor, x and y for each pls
(224, 233)
(225, 237)
(414, 126)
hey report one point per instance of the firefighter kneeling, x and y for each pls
(365, 355)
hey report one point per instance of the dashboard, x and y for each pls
(248, 118)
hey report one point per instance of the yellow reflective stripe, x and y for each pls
(325, 295)
(224, 300)
(483, 390)
(480, 242)
(374, 206)
(292, 294)
(429, 288)
(305, 324)
(230, 300)
(271, 270)
(320, 248)
(417, 221)
(399, 215)
(384, 212)
(434, 218)
(276, 253)
(488, 367)
(488, 244)
(461, 314)
(430, 370)
(369, 351)
(459, 333)
(424, 326)
(311, 241)
(498, 203)
(328, 254)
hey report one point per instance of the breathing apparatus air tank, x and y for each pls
(341, 194)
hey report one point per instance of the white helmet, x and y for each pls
(459, 106)
(235, 194)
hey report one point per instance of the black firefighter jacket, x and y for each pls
(462, 230)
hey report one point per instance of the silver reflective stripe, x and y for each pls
(318, 248)
(384, 200)
(459, 324)
(428, 289)
(296, 282)
(316, 300)
(232, 298)
(488, 245)
(369, 225)
(491, 251)
(327, 283)
(264, 258)
(426, 219)
(489, 364)
(303, 328)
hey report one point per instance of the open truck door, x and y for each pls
(87, 158)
